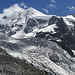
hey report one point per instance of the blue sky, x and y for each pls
(53, 7)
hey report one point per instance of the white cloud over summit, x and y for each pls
(12, 10)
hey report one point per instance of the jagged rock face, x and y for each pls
(53, 20)
(73, 15)
(3, 28)
(40, 21)
(62, 26)
(65, 36)
(63, 33)
(31, 24)
(45, 41)
(34, 23)
(5, 17)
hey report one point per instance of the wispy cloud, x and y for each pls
(46, 10)
(52, 6)
(72, 8)
(23, 5)
(9, 11)
(53, 1)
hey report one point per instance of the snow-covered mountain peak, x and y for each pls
(31, 9)
(33, 12)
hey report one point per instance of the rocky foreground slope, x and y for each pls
(13, 66)
(44, 41)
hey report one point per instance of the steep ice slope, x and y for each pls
(45, 41)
